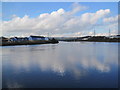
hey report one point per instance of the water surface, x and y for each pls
(67, 64)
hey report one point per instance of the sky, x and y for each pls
(59, 18)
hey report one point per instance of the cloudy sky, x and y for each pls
(59, 18)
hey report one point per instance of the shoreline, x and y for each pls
(90, 41)
(28, 43)
(46, 42)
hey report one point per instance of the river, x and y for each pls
(67, 64)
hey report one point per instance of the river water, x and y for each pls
(67, 64)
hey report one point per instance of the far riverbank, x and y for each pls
(28, 43)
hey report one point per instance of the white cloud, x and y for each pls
(92, 18)
(77, 8)
(111, 19)
(61, 60)
(112, 23)
(58, 22)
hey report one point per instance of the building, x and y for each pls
(3, 39)
(16, 39)
(13, 39)
(22, 39)
(114, 36)
(85, 37)
(38, 38)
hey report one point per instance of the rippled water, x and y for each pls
(67, 64)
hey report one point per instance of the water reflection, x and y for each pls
(79, 59)
(0, 68)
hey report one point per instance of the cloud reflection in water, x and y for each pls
(62, 57)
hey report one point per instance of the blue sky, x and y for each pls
(34, 9)
(31, 10)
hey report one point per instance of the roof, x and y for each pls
(18, 38)
(3, 38)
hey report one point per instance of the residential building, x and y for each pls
(38, 38)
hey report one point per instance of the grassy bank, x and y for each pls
(28, 42)
(95, 39)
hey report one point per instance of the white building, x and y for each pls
(38, 38)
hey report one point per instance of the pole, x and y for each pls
(94, 33)
(109, 33)
(47, 34)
